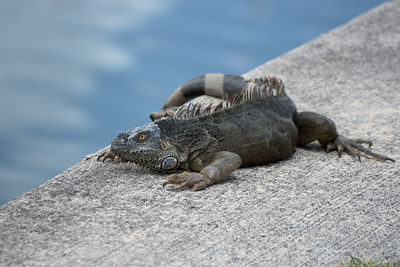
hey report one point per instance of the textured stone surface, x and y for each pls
(310, 209)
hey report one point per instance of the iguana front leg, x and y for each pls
(219, 167)
(108, 155)
(313, 126)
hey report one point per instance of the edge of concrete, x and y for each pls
(310, 209)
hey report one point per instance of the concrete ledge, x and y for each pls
(310, 209)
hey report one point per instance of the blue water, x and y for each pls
(75, 73)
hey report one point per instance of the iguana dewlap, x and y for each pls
(258, 124)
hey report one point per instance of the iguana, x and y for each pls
(257, 124)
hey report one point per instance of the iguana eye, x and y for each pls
(142, 137)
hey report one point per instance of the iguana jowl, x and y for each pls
(259, 124)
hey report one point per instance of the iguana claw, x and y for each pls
(194, 180)
(108, 155)
(164, 113)
(354, 147)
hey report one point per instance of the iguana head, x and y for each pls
(146, 147)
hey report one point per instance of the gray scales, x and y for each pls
(311, 209)
(255, 123)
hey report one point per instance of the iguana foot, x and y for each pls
(164, 113)
(354, 147)
(108, 155)
(194, 180)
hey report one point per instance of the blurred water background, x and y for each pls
(75, 73)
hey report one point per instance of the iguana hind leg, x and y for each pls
(221, 165)
(313, 126)
(342, 143)
(164, 113)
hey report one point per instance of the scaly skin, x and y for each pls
(265, 127)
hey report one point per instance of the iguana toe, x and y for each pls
(108, 155)
(354, 147)
(363, 141)
(164, 113)
(193, 180)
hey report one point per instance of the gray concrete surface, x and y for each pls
(310, 209)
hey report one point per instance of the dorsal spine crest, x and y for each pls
(257, 88)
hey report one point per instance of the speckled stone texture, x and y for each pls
(310, 209)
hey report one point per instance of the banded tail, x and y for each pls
(211, 84)
(233, 89)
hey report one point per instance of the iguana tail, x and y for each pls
(211, 84)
